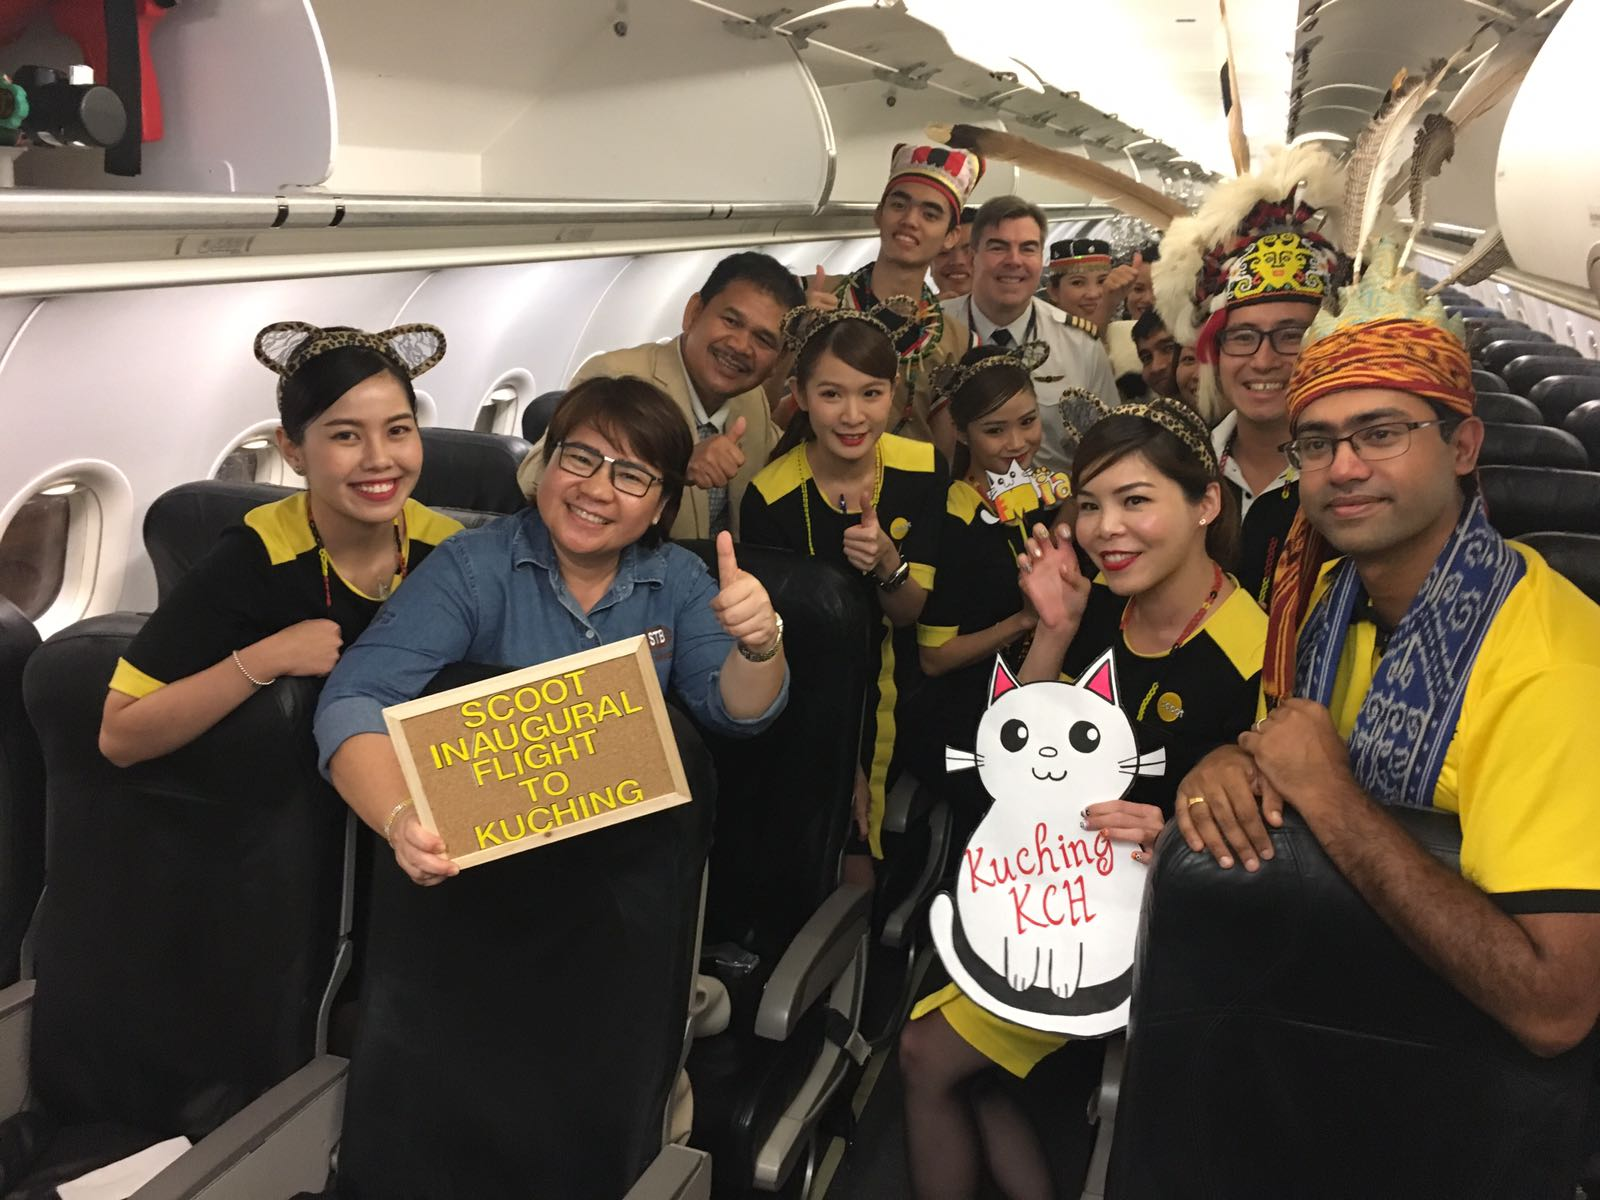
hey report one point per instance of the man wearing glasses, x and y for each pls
(1240, 281)
(1472, 647)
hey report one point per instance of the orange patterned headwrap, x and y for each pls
(1399, 355)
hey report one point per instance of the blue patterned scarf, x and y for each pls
(1405, 724)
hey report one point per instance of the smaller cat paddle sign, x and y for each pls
(1042, 926)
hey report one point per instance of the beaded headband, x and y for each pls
(286, 346)
(801, 324)
(949, 379)
(1174, 416)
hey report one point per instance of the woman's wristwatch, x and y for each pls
(895, 578)
(771, 651)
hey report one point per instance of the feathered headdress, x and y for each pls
(1220, 257)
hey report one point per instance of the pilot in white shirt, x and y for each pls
(1007, 261)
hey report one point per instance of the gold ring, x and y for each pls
(1193, 800)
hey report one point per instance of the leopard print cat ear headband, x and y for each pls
(286, 346)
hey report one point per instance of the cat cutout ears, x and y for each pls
(949, 379)
(801, 324)
(286, 346)
(1174, 416)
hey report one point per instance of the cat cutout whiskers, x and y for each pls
(1041, 928)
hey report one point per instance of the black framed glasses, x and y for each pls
(1371, 443)
(1242, 341)
(629, 478)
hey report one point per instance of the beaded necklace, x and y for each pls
(401, 565)
(1194, 621)
(805, 491)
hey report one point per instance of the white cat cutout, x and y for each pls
(1042, 928)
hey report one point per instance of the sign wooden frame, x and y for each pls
(455, 799)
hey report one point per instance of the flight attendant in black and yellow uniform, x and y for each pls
(839, 487)
(1156, 520)
(303, 576)
(997, 493)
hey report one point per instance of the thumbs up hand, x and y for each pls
(866, 547)
(742, 606)
(818, 293)
(716, 460)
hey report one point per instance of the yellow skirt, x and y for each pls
(1015, 1047)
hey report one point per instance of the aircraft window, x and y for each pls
(33, 552)
(254, 458)
(427, 410)
(50, 552)
(501, 408)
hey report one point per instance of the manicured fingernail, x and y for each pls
(1251, 864)
(1083, 822)
(1225, 862)
(1267, 853)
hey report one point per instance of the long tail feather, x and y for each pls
(1363, 195)
(1435, 146)
(1097, 179)
(1230, 102)
(1487, 255)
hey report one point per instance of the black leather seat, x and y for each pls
(1533, 446)
(1487, 381)
(1472, 310)
(523, 1024)
(1504, 408)
(1285, 1043)
(21, 793)
(189, 933)
(475, 471)
(1496, 355)
(1575, 555)
(775, 902)
(1527, 499)
(1521, 374)
(1557, 395)
(185, 522)
(1583, 423)
(538, 413)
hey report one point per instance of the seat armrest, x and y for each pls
(279, 1144)
(818, 955)
(16, 1030)
(907, 803)
(678, 1173)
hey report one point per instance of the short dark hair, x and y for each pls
(633, 413)
(1113, 438)
(1148, 325)
(982, 393)
(858, 344)
(757, 269)
(1005, 208)
(316, 385)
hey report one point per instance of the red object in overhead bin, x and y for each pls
(114, 36)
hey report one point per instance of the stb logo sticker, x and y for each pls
(659, 639)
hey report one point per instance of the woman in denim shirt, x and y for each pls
(582, 566)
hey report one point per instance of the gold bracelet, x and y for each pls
(388, 826)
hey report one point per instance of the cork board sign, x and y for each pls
(540, 754)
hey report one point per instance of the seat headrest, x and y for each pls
(1524, 499)
(1523, 372)
(1533, 446)
(1557, 395)
(21, 792)
(1497, 354)
(1507, 408)
(185, 522)
(464, 469)
(538, 413)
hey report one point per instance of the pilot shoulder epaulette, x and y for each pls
(1083, 323)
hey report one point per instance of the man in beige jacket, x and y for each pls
(714, 372)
